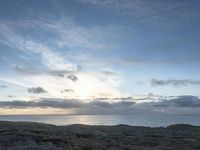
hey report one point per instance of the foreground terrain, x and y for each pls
(34, 136)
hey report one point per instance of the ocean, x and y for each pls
(135, 120)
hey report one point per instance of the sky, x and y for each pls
(99, 57)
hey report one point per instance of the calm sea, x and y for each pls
(135, 120)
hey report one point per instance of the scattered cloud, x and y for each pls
(174, 82)
(72, 77)
(67, 91)
(11, 96)
(36, 90)
(3, 86)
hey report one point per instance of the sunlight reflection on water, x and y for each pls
(135, 120)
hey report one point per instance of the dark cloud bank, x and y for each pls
(181, 101)
(123, 106)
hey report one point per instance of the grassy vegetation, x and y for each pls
(34, 136)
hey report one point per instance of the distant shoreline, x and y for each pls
(21, 123)
(133, 120)
(94, 114)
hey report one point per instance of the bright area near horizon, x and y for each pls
(99, 57)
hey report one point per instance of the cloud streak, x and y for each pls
(11, 81)
(174, 82)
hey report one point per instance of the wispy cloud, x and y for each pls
(66, 34)
(156, 11)
(18, 41)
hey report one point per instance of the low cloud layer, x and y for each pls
(43, 103)
(36, 90)
(62, 103)
(174, 82)
(104, 106)
(181, 101)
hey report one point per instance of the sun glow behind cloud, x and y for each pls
(37, 111)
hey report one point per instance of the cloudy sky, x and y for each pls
(99, 56)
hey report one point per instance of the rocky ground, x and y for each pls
(36, 136)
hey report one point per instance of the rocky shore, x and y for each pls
(37, 136)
